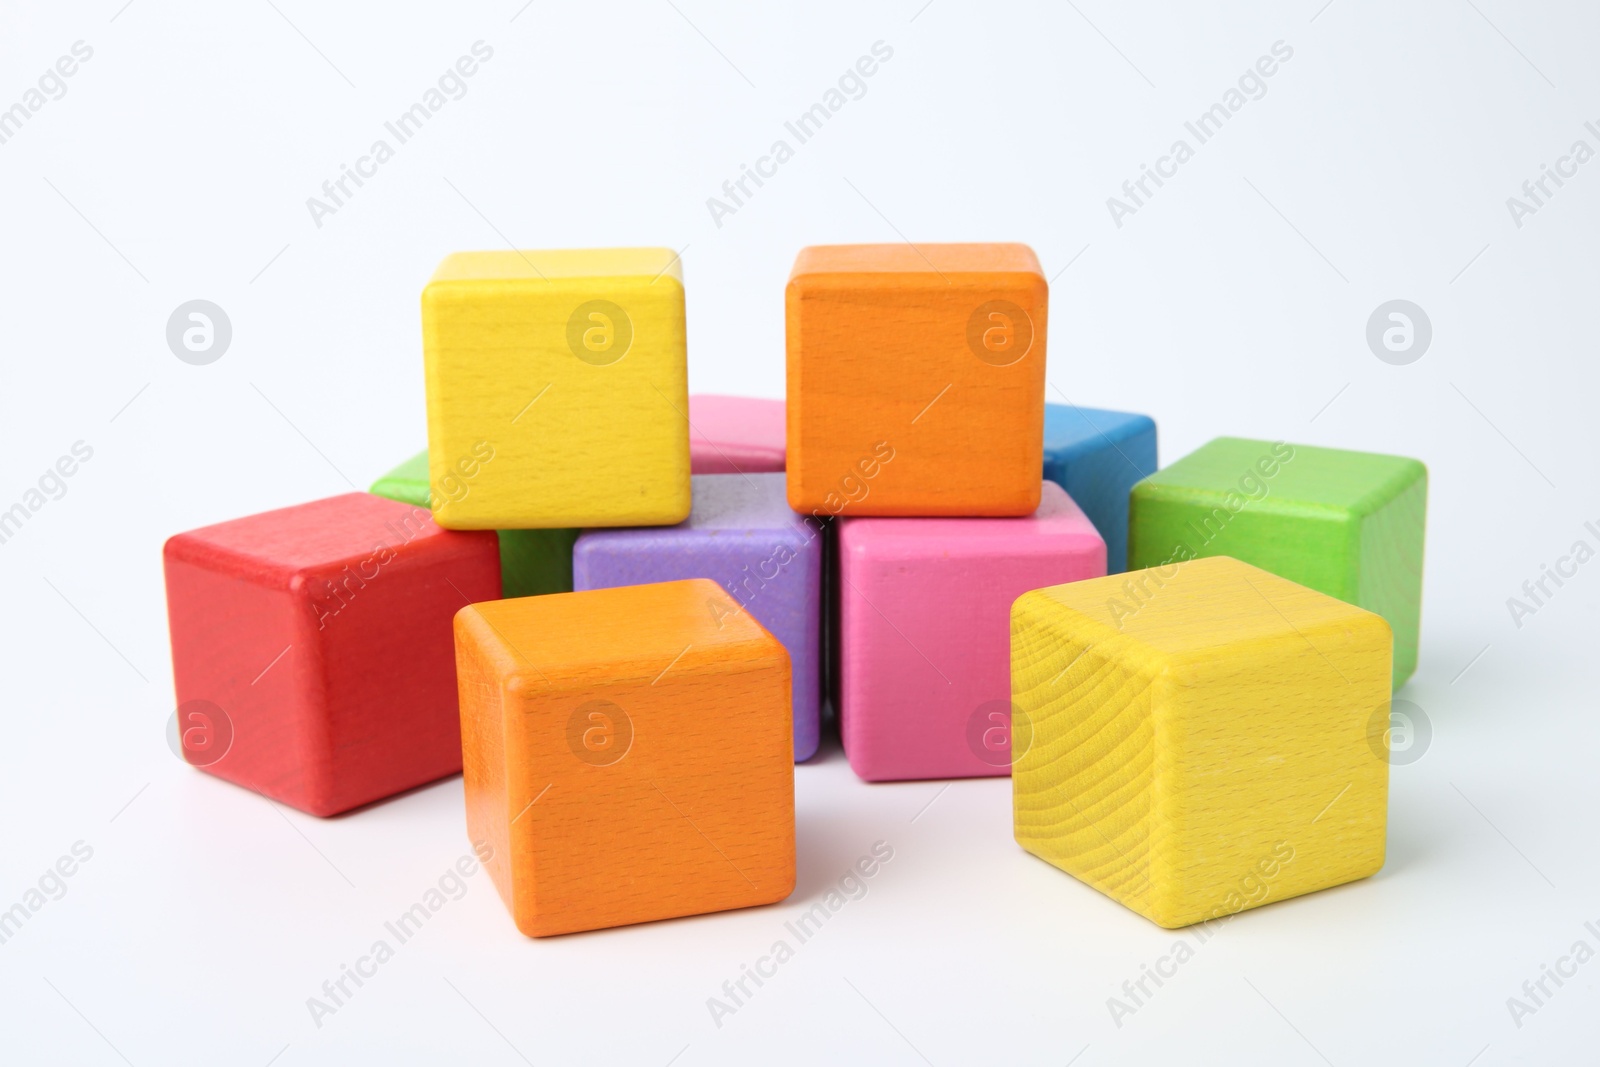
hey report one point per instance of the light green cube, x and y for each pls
(1348, 524)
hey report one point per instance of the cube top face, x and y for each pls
(1070, 430)
(628, 791)
(916, 380)
(1188, 610)
(312, 539)
(730, 434)
(1221, 750)
(1302, 478)
(629, 633)
(407, 483)
(736, 518)
(924, 605)
(321, 635)
(1348, 524)
(557, 389)
(561, 266)
(1057, 527)
(999, 257)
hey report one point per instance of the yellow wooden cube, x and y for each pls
(557, 388)
(1200, 738)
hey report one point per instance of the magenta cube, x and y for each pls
(735, 434)
(925, 632)
(741, 534)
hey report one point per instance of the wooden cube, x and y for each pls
(925, 675)
(1097, 456)
(531, 561)
(628, 754)
(322, 633)
(733, 434)
(1349, 524)
(916, 380)
(742, 535)
(1217, 747)
(561, 377)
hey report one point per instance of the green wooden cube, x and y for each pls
(1348, 524)
(531, 561)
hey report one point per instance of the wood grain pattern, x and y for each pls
(1204, 738)
(677, 800)
(932, 356)
(532, 562)
(559, 381)
(1348, 524)
(322, 632)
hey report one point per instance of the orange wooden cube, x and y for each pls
(916, 379)
(628, 754)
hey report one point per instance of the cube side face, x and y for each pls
(666, 799)
(736, 434)
(898, 405)
(1083, 732)
(1390, 571)
(924, 657)
(1270, 777)
(775, 574)
(235, 645)
(381, 627)
(1315, 547)
(535, 562)
(557, 403)
(1098, 457)
(482, 671)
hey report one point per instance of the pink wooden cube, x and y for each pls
(925, 633)
(735, 435)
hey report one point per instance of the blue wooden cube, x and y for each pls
(1097, 456)
(741, 534)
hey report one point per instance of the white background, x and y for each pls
(1377, 166)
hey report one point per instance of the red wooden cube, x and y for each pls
(318, 641)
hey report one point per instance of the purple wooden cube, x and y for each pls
(742, 534)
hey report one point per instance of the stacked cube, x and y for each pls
(622, 610)
(916, 419)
